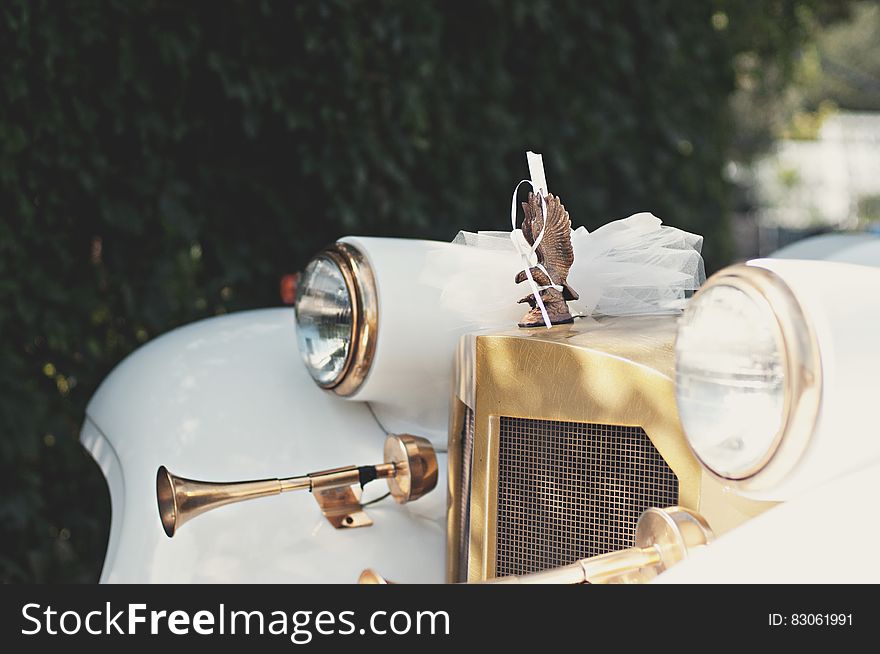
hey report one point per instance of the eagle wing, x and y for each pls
(555, 251)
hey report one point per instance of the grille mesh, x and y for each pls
(467, 448)
(569, 490)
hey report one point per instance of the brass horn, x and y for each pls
(410, 467)
(663, 538)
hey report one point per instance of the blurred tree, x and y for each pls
(772, 43)
(842, 64)
(162, 162)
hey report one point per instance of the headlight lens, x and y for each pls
(324, 320)
(748, 377)
(730, 375)
(336, 318)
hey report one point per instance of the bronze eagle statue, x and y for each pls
(555, 253)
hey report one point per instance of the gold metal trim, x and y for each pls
(453, 489)
(628, 361)
(803, 375)
(461, 403)
(361, 285)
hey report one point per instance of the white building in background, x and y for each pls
(806, 184)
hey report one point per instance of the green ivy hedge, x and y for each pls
(161, 162)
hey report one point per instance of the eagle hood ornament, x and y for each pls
(555, 256)
(629, 267)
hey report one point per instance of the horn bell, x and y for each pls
(181, 499)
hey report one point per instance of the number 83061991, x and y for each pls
(810, 620)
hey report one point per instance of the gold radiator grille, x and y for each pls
(569, 490)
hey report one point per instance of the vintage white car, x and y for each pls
(738, 442)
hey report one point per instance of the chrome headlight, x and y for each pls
(747, 377)
(337, 318)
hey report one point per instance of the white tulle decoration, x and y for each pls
(633, 266)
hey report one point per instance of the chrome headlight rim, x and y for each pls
(802, 390)
(361, 286)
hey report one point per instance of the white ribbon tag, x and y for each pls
(536, 172)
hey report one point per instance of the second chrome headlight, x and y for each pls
(747, 376)
(337, 318)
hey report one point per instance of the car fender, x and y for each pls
(824, 536)
(229, 399)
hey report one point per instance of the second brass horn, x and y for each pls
(663, 538)
(410, 467)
